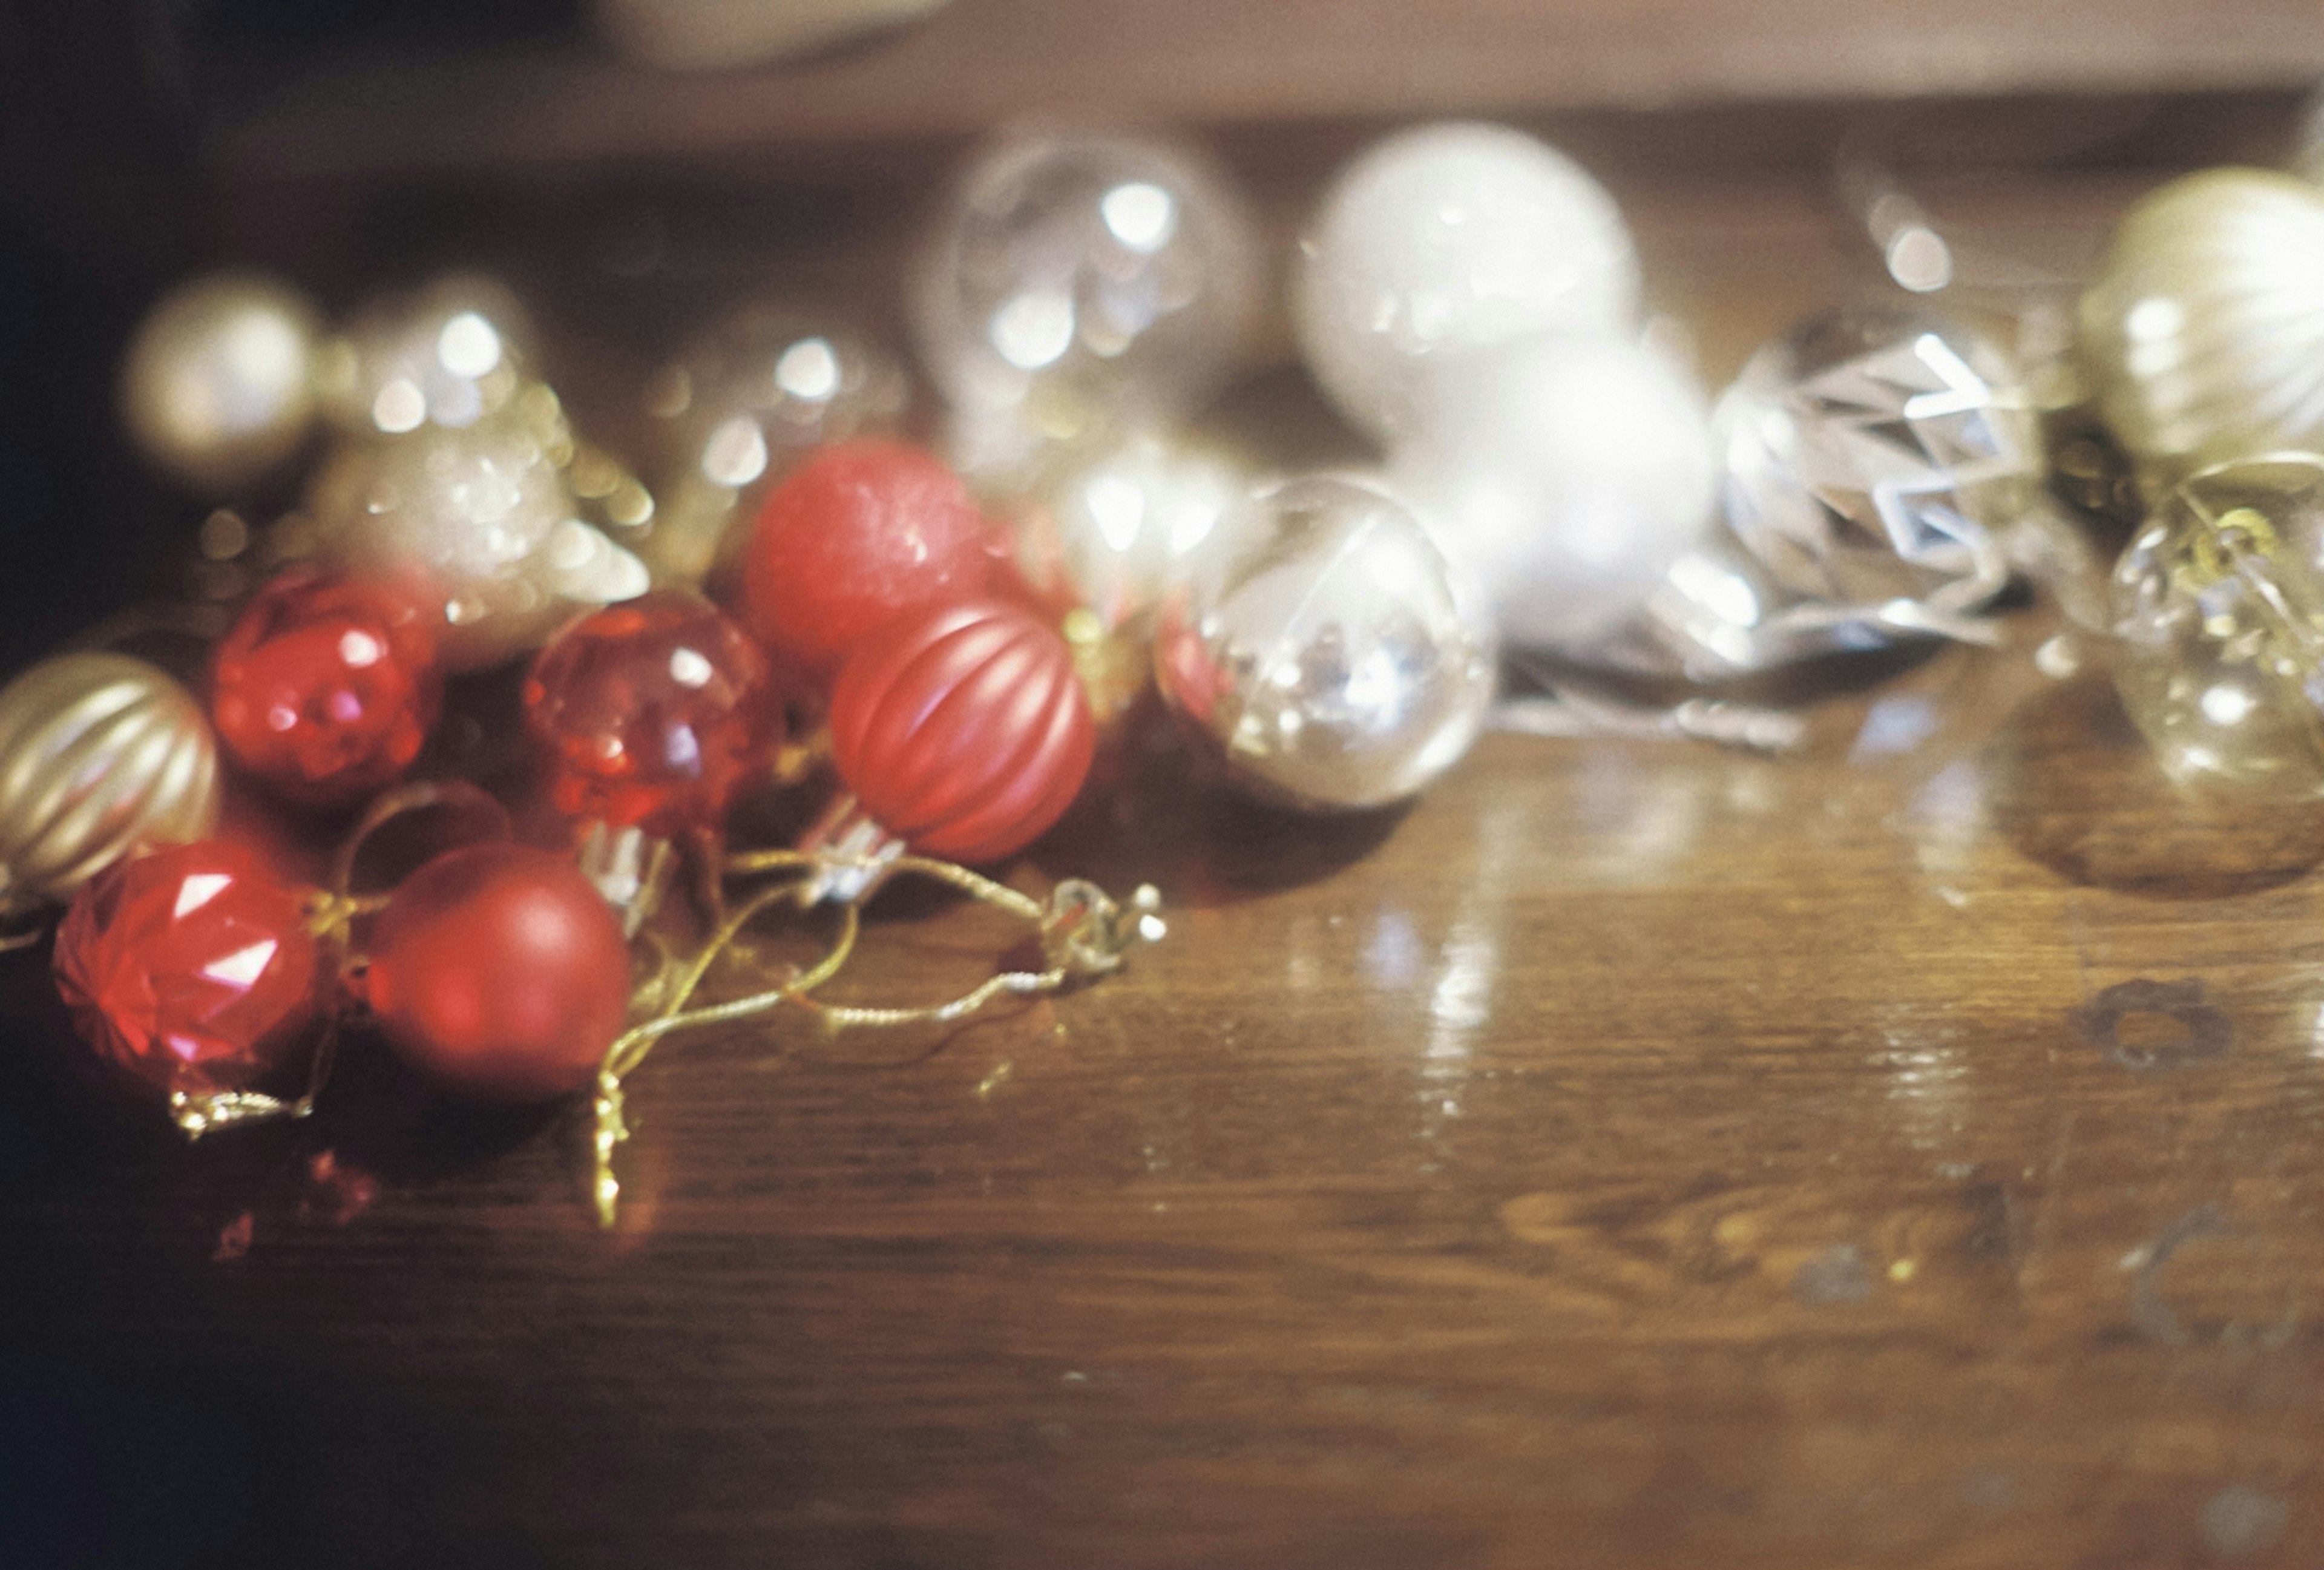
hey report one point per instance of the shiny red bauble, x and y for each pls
(861, 533)
(498, 971)
(652, 712)
(963, 731)
(325, 689)
(193, 967)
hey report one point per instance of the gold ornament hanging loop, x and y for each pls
(1083, 932)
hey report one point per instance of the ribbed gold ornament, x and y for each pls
(2204, 336)
(100, 755)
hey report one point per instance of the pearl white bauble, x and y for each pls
(1447, 239)
(1567, 474)
(217, 385)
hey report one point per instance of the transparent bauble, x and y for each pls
(1081, 283)
(1107, 537)
(217, 384)
(1567, 474)
(447, 355)
(737, 407)
(2219, 614)
(1324, 648)
(1876, 454)
(478, 520)
(1447, 239)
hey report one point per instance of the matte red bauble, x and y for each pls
(193, 967)
(653, 711)
(325, 689)
(498, 971)
(963, 731)
(859, 534)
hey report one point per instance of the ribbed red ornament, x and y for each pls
(963, 731)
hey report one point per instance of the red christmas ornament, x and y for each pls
(497, 969)
(325, 689)
(193, 967)
(963, 731)
(859, 534)
(654, 710)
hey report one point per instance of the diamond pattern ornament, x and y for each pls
(1881, 473)
(1877, 454)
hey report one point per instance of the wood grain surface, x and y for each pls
(1634, 1154)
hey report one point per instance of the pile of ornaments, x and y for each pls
(940, 639)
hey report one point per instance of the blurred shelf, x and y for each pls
(1228, 63)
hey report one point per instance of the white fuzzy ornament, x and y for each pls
(1567, 474)
(1447, 239)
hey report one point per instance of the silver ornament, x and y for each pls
(1110, 537)
(479, 521)
(2219, 626)
(448, 355)
(217, 384)
(1080, 284)
(2204, 335)
(101, 756)
(1876, 465)
(1325, 649)
(737, 407)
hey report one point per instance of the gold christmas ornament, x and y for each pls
(2219, 607)
(217, 385)
(481, 522)
(101, 756)
(2204, 335)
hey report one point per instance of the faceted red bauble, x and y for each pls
(191, 967)
(653, 711)
(325, 689)
(963, 731)
(859, 534)
(500, 972)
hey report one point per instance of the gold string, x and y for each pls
(1082, 931)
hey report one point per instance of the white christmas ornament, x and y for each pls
(1448, 239)
(1567, 474)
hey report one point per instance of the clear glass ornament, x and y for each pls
(217, 384)
(1080, 284)
(2219, 613)
(1324, 648)
(1444, 240)
(478, 520)
(448, 356)
(1110, 535)
(1566, 473)
(1876, 455)
(737, 406)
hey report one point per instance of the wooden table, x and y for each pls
(1904, 1153)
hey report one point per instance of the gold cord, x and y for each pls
(1082, 930)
